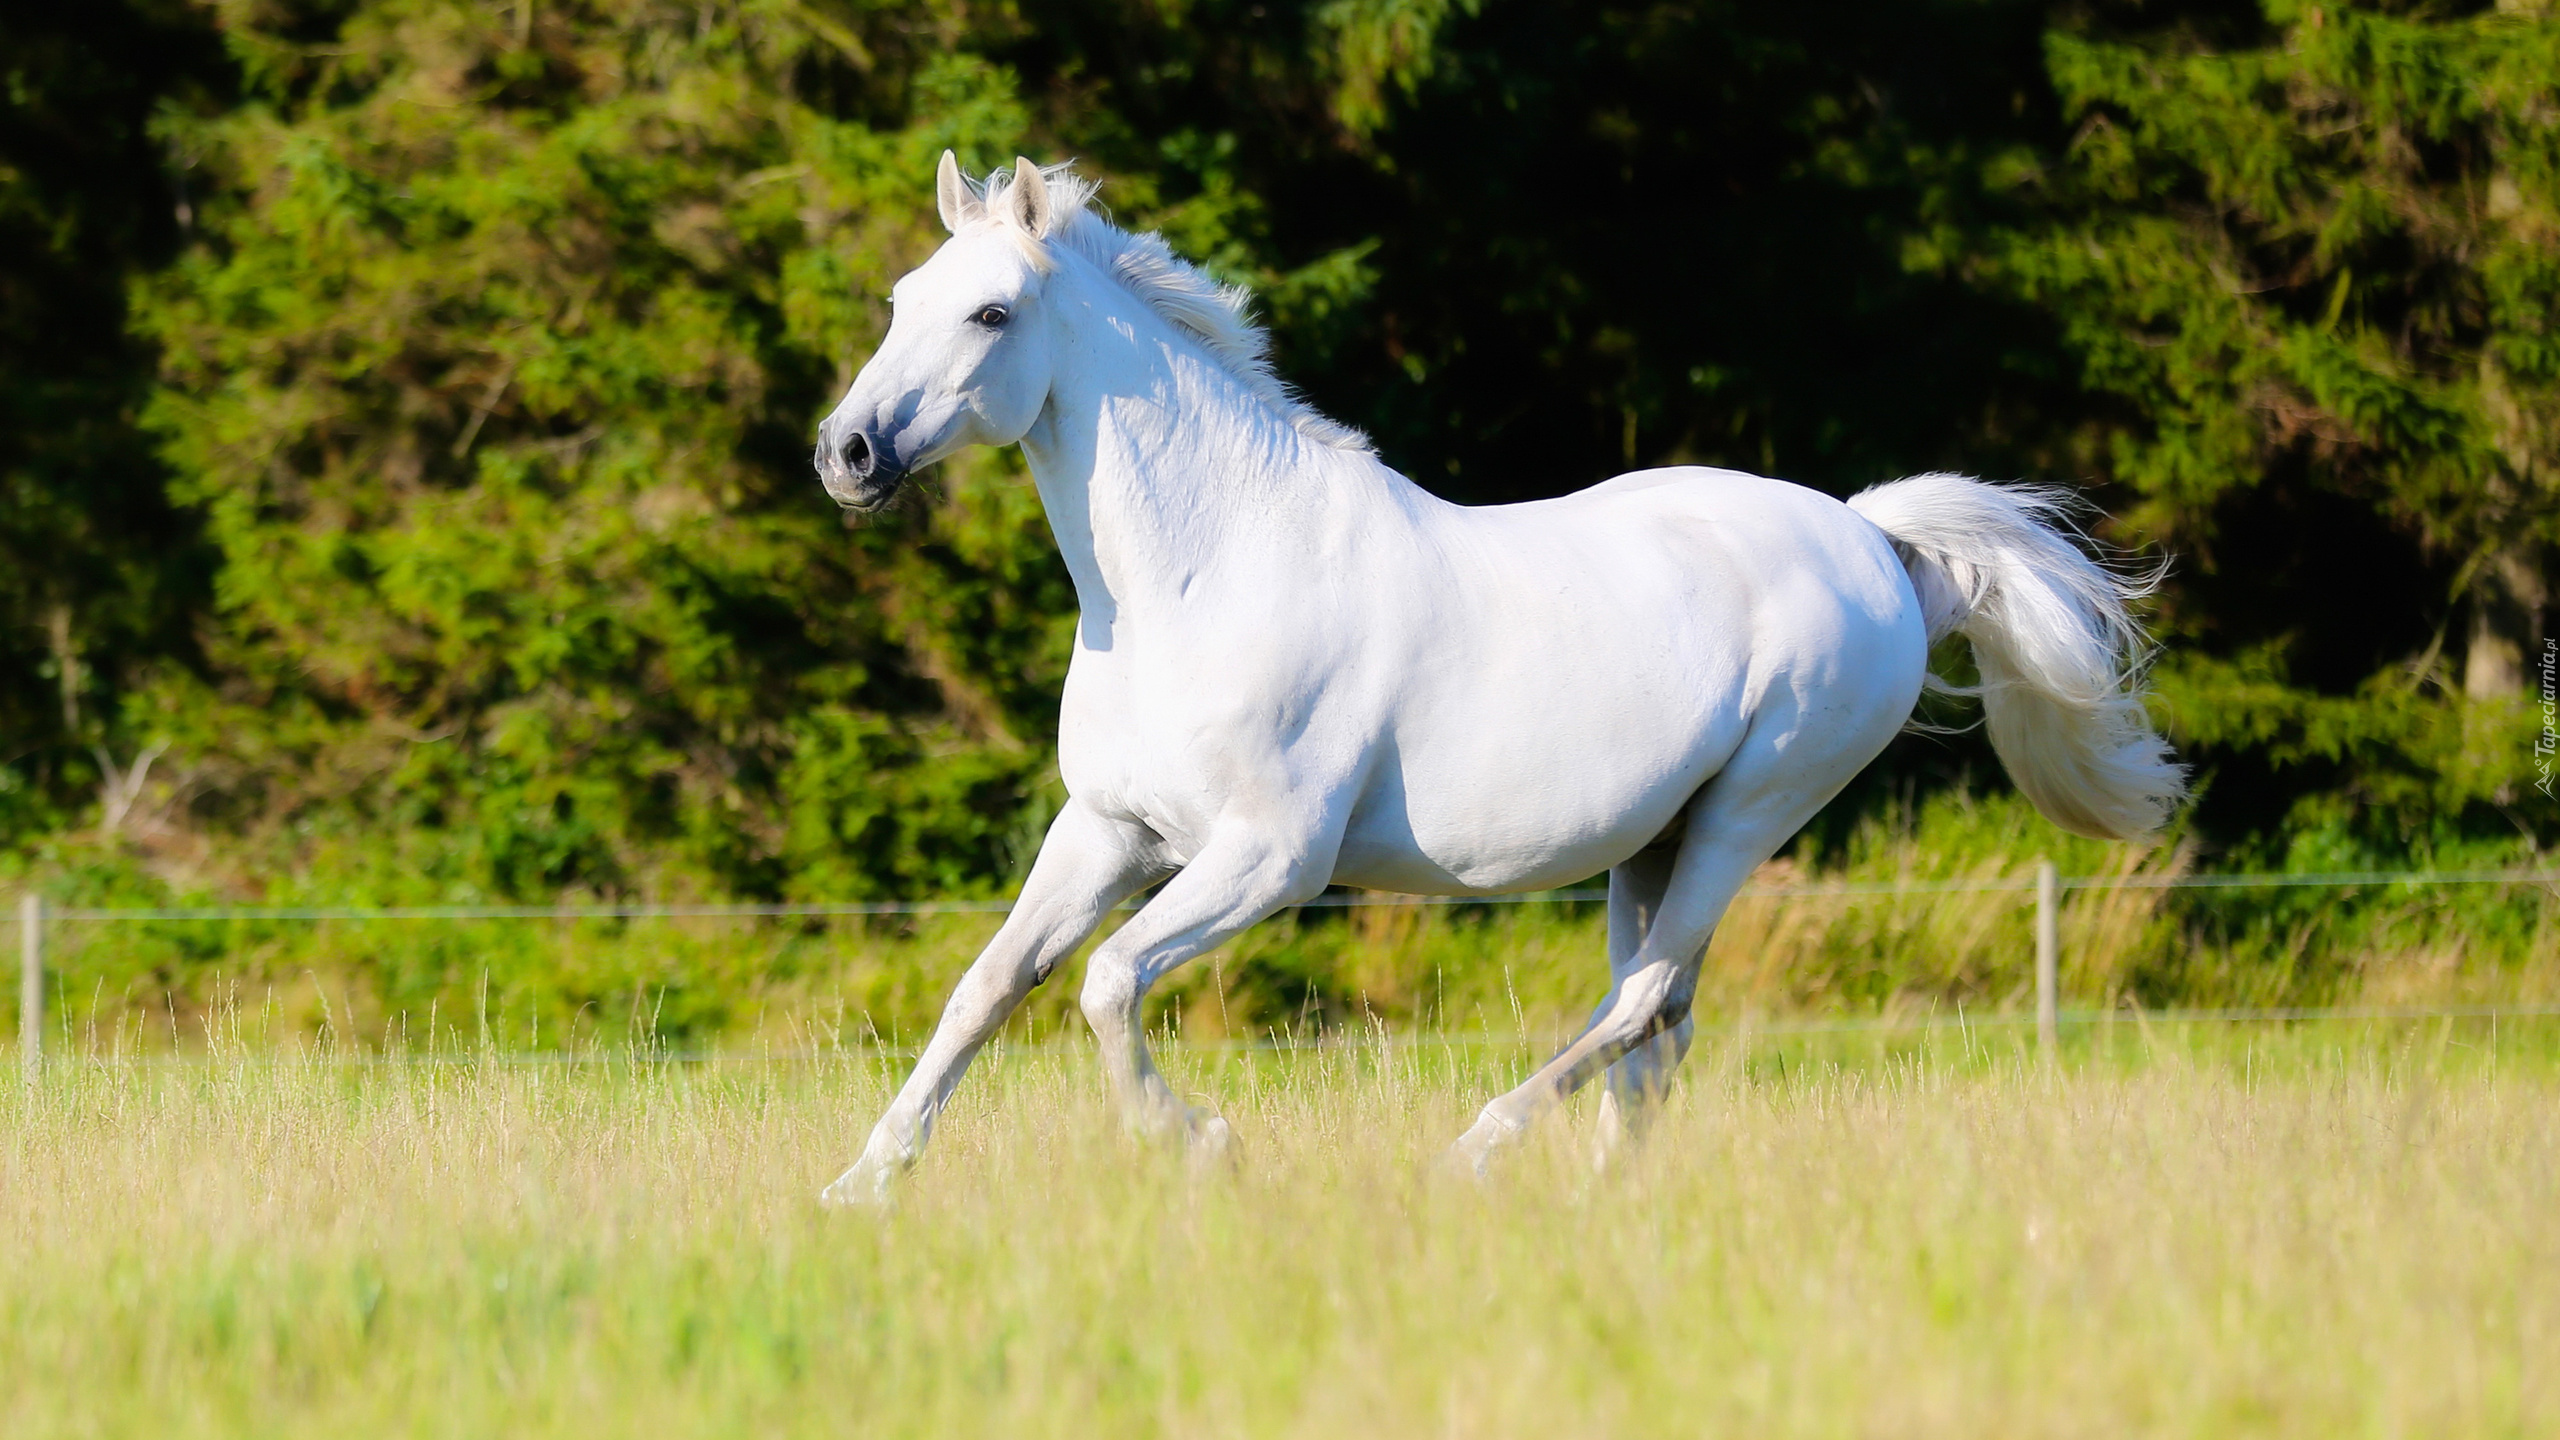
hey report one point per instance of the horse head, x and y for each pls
(967, 358)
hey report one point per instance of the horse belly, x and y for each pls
(1553, 785)
(1393, 858)
(1598, 676)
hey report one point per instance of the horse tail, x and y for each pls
(2061, 658)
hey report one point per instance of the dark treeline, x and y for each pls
(404, 404)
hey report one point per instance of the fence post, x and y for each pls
(30, 986)
(2048, 960)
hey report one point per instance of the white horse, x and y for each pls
(1295, 668)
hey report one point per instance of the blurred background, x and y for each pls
(405, 409)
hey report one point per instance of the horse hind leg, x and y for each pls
(1637, 1081)
(1775, 782)
(1635, 1087)
(1650, 999)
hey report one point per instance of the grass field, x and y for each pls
(2318, 1230)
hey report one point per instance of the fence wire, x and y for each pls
(2339, 879)
(34, 915)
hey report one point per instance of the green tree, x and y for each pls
(1531, 246)
(479, 554)
(493, 382)
(2317, 270)
(99, 574)
(2276, 285)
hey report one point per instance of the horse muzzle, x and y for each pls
(860, 471)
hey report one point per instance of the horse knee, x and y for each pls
(996, 981)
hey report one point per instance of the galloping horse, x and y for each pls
(1294, 667)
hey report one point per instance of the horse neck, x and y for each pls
(1155, 462)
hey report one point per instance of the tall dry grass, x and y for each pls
(2313, 1231)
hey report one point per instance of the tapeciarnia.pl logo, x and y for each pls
(2549, 741)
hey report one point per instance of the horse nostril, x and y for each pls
(857, 454)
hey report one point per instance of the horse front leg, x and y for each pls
(1242, 876)
(1086, 865)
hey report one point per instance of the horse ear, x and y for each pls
(1027, 199)
(959, 204)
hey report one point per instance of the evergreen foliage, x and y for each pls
(2320, 276)
(439, 522)
(100, 577)
(492, 387)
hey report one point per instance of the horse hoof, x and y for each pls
(1611, 1135)
(1469, 1158)
(864, 1187)
(1472, 1154)
(1212, 1143)
(1460, 1163)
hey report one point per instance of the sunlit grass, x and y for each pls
(2317, 1231)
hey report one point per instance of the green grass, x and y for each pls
(2315, 1230)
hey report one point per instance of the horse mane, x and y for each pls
(1218, 316)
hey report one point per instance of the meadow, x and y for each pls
(559, 1176)
(2312, 1229)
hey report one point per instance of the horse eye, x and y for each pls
(991, 317)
